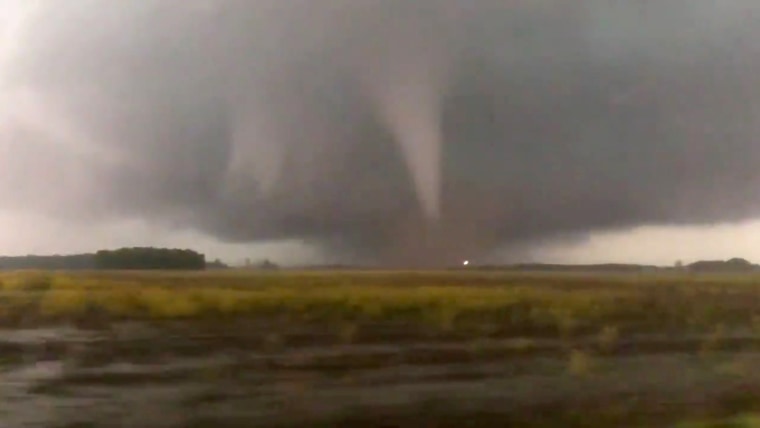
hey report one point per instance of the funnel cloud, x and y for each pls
(402, 132)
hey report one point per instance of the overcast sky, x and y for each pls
(387, 131)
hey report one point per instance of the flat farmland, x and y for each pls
(378, 348)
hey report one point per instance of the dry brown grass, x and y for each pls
(479, 303)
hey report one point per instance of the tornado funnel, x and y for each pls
(405, 79)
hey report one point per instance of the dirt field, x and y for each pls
(372, 349)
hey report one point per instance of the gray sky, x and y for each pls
(382, 130)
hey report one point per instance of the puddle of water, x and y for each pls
(16, 406)
(42, 335)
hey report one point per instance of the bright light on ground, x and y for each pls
(466, 262)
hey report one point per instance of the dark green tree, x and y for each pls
(149, 258)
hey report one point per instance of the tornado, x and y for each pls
(410, 105)
(404, 72)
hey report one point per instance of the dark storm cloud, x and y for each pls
(415, 131)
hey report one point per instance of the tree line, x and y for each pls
(135, 258)
(149, 258)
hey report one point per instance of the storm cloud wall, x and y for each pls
(403, 132)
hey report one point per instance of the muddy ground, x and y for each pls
(135, 375)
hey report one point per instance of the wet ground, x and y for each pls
(140, 376)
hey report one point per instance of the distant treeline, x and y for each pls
(609, 267)
(732, 265)
(548, 267)
(149, 258)
(706, 266)
(137, 258)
